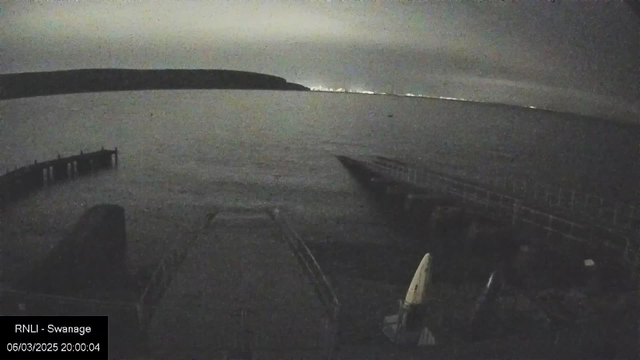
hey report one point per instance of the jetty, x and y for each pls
(551, 215)
(21, 181)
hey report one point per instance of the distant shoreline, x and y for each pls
(567, 115)
(31, 84)
(34, 84)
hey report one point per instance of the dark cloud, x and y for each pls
(580, 56)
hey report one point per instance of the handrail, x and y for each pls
(321, 283)
(301, 246)
(161, 279)
(556, 225)
(611, 212)
(400, 171)
(608, 213)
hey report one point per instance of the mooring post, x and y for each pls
(586, 202)
(560, 197)
(116, 154)
(516, 207)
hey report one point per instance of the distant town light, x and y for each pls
(369, 92)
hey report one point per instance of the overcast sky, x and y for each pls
(567, 55)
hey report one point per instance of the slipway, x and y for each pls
(244, 285)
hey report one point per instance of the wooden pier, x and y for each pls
(541, 216)
(18, 183)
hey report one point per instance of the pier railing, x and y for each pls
(161, 280)
(320, 282)
(616, 214)
(551, 222)
(135, 313)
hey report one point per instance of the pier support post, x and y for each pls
(83, 166)
(36, 178)
(104, 161)
(60, 171)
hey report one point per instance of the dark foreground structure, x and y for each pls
(239, 249)
(93, 256)
(246, 285)
(84, 274)
(545, 282)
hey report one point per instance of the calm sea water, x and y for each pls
(183, 153)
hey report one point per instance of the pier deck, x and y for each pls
(553, 221)
(238, 264)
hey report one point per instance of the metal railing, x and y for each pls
(556, 225)
(316, 275)
(142, 310)
(161, 280)
(595, 208)
(139, 313)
